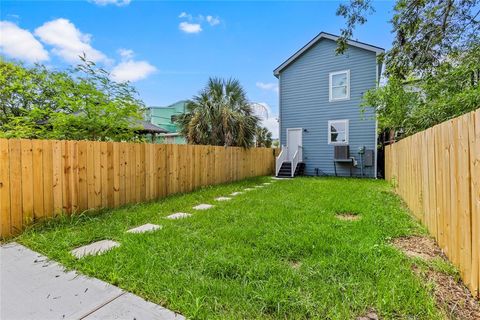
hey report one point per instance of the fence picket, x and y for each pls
(5, 218)
(82, 176)
(48, 178)
(437, 173)
(38, 196)
(27, 180)
(16, 208)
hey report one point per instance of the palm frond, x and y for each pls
(220, 115)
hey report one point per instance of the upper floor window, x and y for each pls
(339, 85)
(338, 132)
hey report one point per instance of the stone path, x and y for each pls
(178, 215)
(53, 293)
(95, 248)
(203, 206)
(32, 287)
(223, 199)
(145, 228)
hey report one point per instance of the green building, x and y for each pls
(163, 117)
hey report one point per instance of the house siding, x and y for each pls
(304, 103)
(162, 117)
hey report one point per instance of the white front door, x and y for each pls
(294, 139)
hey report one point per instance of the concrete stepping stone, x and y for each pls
(267, 183)
(178, 215)
(259, 186)
(203, 206)
(95, 248)
(145, 228)
(248, 189)
(223, 199)
(235, 193)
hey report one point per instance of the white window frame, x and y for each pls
(330, 91)
(346, 123)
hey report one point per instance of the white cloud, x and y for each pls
(126, 53)
(267, 118)
(67, 41)
(194, 24)
(190, 27)
(130, 70)
(268, 86)
(19, 43)
(185, 15)
(213, 21)
(115, 2)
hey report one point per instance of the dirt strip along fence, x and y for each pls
(437, 173)
(44, 178)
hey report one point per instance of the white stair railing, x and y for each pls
(282, 157)
(297, 157)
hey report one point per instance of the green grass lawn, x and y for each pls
(274, 252)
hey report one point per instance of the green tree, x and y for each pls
(453, 90)
(425, 31)
(433, 67)
(416, 104)
(263, 137)
(393, 104)
(83, 103)
(24, 89)
(219, 115)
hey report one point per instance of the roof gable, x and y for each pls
(320, 36)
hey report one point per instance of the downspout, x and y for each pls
(279, 110)
(377, 78)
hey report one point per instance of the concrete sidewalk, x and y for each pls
(31, 287)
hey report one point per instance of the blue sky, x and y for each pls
(169, 49)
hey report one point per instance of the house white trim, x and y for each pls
(324, 35)
(172, 134)
(330, 86)
(329, 138)
(301, 137)
(377, 79)
(280, 112)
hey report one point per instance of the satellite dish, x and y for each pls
(260, 109)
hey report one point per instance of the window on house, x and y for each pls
(338, 132)
(339, 85)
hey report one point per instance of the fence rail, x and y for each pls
(437, 173)
(43, 178)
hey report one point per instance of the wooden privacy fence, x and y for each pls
(437, 173)
(43, 178)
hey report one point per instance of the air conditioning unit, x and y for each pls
(341, 153)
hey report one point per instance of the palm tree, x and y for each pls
(263, 137)
(219, 115)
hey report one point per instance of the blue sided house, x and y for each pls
(164, 117)
(323, 130)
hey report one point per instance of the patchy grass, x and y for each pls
(348, 216)
(273, 252)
